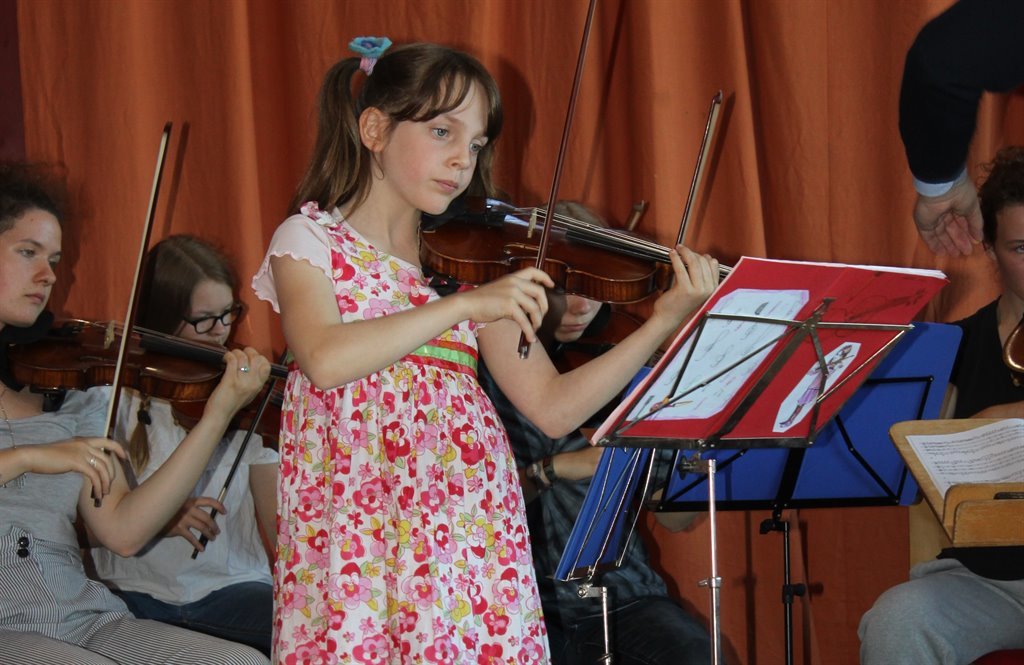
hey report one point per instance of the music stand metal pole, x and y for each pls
(713, 583)
(789, 590)
(589, 590)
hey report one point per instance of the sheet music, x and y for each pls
(989, 454)
(739, 373)
(721, 343)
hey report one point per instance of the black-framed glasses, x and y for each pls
(205, 324)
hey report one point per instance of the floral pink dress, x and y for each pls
(401, 532)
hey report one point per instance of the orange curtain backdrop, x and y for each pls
(808, 166)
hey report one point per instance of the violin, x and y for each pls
(482, 241)
(78, 355)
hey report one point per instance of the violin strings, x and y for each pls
(586, 230)
(628, 243)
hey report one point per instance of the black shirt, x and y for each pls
(983, 380)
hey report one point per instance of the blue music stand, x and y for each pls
(851, 463)
(599, 538)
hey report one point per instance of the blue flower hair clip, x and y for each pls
(371, 48)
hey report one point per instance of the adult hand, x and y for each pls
(245, 373)
(950, 224)
(91, 457)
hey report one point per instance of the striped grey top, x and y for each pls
(46, 504)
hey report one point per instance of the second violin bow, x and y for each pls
(702, 158)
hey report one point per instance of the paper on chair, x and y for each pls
(989, 454)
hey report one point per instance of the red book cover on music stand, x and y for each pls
(772, 355)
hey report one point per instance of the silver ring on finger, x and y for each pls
(92, 462)
(243, 369)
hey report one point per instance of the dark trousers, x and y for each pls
(647, 631)
(240, 613)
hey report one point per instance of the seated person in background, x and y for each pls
(969, 601)
(226, 591)
(646, 625)
(52, 464)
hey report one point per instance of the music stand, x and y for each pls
(909, 383)
(852, 462)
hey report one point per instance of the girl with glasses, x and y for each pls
(189, 291)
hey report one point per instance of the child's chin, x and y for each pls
(436, 210)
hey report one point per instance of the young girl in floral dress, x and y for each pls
(402, 536)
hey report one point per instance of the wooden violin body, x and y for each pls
(474, 254)
(78, 355)
(608, 265)
(268, 424)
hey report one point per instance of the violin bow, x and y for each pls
(203, 540)
(702, 158)
(133, 302)
(542, 252)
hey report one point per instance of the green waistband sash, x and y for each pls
(454, 356)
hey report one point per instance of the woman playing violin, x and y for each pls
(54, 463)
(189, 291)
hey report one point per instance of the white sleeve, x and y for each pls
(300, 238)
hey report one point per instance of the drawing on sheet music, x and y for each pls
(809, 387)
(722, 343)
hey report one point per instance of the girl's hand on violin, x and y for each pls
(195, 516)
(94, 458)
(696, 276)
(245, 373)
(520, 296)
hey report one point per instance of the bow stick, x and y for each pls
(118, 381)
(542, 252)
(702, 158)
(203, 540)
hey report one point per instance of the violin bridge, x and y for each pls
(533, 224)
